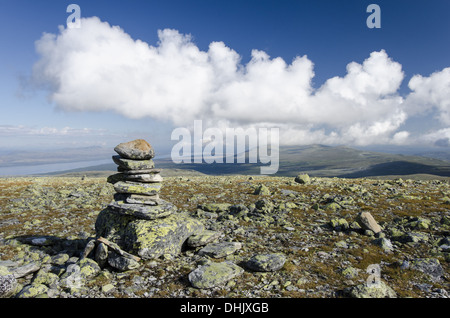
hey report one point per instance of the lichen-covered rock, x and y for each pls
(203, 238)
(384, 243)
(121, 263)
(219, 250)
(32, 291)
(264, 206)
(151, 239)
(88, 268)
(380, 290)
(413, 237)
(45, 277)
(350, 272)
(302, 179)
(419, 224)
(147, 238)
(214, 274)
(430, 266)
(101, 254)
(262, 190)
(339, 224)
(137, 187)
(266, 262)
(129, 164)
(59, 259)
(8, 283)
(138, 149)
(71, 278)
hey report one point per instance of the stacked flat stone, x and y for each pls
(138, 183)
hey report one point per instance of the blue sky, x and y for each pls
(414, 36)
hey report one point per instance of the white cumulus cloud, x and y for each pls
(99, 67)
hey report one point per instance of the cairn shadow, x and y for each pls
(53, 245)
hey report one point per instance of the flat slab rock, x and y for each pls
(137, 187)
(214, 274)
(145, 212)
(138, 199)
(219, 250)
(129, 164)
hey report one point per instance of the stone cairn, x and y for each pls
(138, 224)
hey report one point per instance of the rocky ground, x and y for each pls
(45, 224)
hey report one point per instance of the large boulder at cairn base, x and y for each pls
(148, 239)
(138, 149)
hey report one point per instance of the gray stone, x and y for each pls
(101, 254)
(138, 199)
(384, 243)
(32, 291)
(138, 149)
(121, 263)
(413, 237)
(203, 238)
(262, 190)
(367, 221)
(266, 262)
(429, 266)
(59, 259)
(141, 171)
(219, 250)
(128, 164)
(146, 178)
(8, 283)
(380, 290)
(72, 277)
(25, 270)
(214, 274)
(145, 212)
(137, 187)
(302, 179)
(88, 268)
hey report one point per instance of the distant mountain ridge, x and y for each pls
(319, 161)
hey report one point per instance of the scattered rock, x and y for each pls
(430, 266)
(262, 190)
(203, 238)
(367, 221)
(219, 250)
(214, 274)
(384, 243)
(339, 224)
(266, 262)
(302, 179)
(121, 263)
(380, 290)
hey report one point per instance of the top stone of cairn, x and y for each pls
(137, 149)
